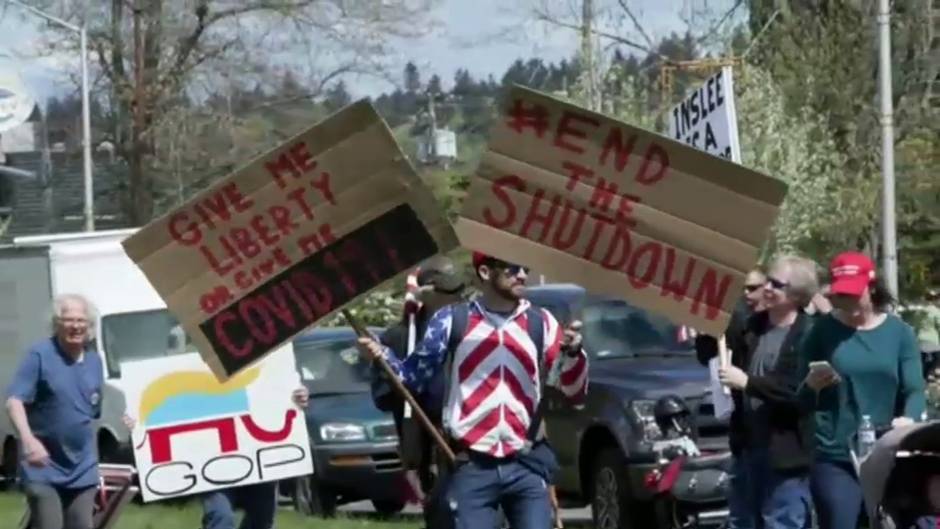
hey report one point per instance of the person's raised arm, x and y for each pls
(564, 345)
(421, 365)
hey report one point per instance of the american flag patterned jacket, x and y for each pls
(494, 377)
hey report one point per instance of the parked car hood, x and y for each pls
(354, 408)
(651, 376)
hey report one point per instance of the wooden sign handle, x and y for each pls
(724, 358)
(403, 391)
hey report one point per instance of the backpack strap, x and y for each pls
(535, 321)
(460, 319)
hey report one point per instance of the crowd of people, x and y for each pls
(813, 372)
(809, 367)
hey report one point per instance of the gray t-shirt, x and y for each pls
(764, 361)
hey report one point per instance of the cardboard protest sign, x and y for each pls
(619, 210)
(290, 238)
(194, 433)
(707, 120)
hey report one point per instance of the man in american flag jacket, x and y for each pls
(494, 386)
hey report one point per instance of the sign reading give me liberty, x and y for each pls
(194, 434)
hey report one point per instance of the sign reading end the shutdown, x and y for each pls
(617, 209)
(706, 118)
(290, 238)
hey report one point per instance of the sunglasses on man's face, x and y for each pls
(777, 284)
(511, 269)
(750, 289)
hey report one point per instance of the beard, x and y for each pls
(510, 292)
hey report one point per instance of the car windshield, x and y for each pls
(331, 366)
(613, 328)
(140, 335)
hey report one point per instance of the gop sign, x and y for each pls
(195, 434)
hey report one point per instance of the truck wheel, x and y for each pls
(387, 508)
(313, 499)
(611, 504)
(9, 464)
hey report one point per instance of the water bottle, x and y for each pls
(866, 437)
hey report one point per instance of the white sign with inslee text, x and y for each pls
(706, 118)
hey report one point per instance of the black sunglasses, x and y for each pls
(777, 284)
(508, 268)
(513, 270)
(751, 288)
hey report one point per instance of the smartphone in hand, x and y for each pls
(821, 366)
(821, 375)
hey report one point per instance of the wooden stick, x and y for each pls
(724, 358)
(403, 391)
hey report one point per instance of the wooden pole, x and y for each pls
(403, 391)
(724, 358)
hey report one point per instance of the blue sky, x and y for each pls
(481, 35)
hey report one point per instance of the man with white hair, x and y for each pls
(771, 445)
(53, 402)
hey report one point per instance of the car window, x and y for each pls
(558, 306)
(331, 366)
(614, 328)
(141, 335)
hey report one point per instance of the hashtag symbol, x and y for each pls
(533, 116)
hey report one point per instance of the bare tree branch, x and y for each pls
(636, 23)
(714, 29)
(544, 17)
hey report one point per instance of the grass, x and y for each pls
(187, 515)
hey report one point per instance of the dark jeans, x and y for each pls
(259, 502)
(479, 487)
(60, 508)
(760, 497)
(836, 494)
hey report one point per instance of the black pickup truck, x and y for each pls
(608, 446)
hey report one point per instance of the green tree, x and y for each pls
(434, 85)
(821, 211)
(412, 78)
(337, 97)
(823, 56)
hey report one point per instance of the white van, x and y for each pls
(132, 323)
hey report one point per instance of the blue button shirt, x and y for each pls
(62, 397)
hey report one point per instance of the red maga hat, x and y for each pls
(851, 273)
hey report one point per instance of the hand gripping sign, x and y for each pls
(619, 210)
(290, 238)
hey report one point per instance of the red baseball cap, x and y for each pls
(851, 273)
(478, 259)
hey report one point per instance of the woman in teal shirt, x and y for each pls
(876, 371)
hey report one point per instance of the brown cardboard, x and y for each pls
(322, 203)
(649, 210)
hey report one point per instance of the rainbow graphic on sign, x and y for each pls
(182, 396)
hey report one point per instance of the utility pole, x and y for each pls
(587, 53)
(432, 129)
(86, 136)
(888, 223)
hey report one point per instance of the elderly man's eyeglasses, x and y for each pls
(750, 289)
(72, 321)
(777, 284)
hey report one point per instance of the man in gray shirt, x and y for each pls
(770, 476)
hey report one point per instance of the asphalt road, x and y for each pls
(579, 518)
